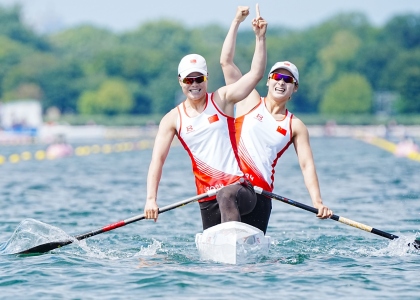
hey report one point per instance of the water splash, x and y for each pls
(96, 252)
(401, 246)
(31, 233)
(150, 250)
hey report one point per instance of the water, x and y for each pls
(309, 258)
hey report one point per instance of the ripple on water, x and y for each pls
(308, 258)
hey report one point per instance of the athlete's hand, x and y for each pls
(241, 13)
(151, 210)
(323, 211)
(259, 25)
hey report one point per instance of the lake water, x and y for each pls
(308, 259)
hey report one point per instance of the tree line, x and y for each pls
(346, 65)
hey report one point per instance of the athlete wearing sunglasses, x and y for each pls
(203, 123)
(265, 129)
(284, 77)
(191, 80)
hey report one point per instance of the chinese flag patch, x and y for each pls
(213, 118)
(281, 130)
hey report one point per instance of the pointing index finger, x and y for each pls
(257, 9)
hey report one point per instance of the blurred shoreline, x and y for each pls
(48, 133)
(59, 141)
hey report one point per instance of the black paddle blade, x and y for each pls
(45, 247)
(416, 244)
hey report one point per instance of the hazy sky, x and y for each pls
(123, 15)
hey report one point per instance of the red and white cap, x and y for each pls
(192, 63)
(288, 66)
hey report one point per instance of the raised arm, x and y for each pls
(228, 95)
(230, 71)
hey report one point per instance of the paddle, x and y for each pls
(343, 220)
(54, 245)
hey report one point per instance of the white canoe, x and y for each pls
(232, 243)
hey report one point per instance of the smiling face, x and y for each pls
(279, 89)
(196, 90)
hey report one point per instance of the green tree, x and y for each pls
(83, 42)
(310, 49)
(11, 53)
(403, 30)
(372, 61)
(142, 100)
(342, 48)
(87, 103)
(112, 97)
(74, 64)
(56, 78)
(351, 93)
(403, 75)
(24, 91)
(12, 27)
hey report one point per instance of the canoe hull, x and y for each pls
(232, 243)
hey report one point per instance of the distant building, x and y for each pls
(22, 117)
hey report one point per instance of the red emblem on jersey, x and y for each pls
(281, 130)
(189, 128)
(213, 118)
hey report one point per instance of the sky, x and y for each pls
(126, 15)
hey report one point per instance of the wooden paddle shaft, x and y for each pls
(334, 217)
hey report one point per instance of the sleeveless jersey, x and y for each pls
(261, 141)
(209, 139)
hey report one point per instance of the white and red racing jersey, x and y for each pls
(261, 141)
(209, 139)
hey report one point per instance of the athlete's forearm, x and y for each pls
(259, 60)
(312, 184)
(230, 71)
(229, 44)
(153, 179)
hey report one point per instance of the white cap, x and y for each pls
(192, 63)
(288, 66)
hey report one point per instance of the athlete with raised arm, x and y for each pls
(204, 124)
(265, 128)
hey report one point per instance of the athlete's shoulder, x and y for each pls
(173, 113)
(249, 103)
(169, 120)
(298, 125)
